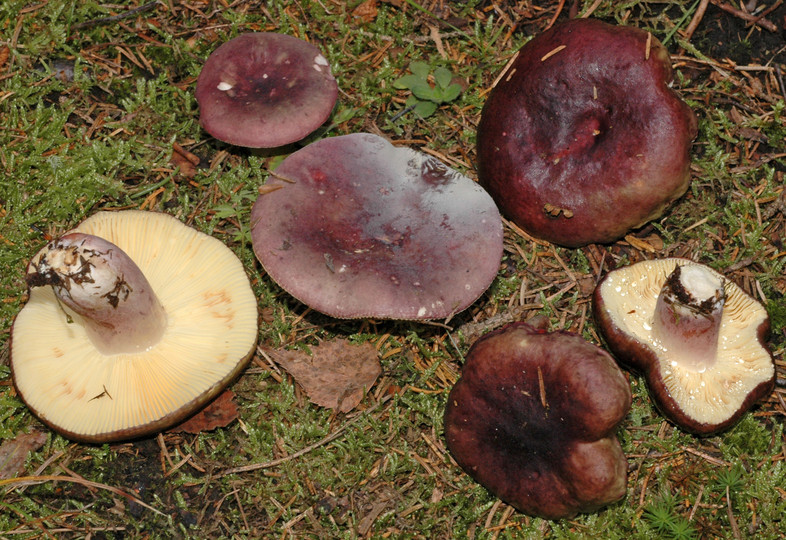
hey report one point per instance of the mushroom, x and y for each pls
(263, 90)
(583, 138)
(699, 340)
(355, 227)
(134, 322)
(533, 419)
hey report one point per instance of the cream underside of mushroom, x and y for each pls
(212, 326)
(742, 362)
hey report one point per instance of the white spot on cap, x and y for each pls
(320, 62)
(421, 312)
(224, 86)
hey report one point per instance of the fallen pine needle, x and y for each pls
(32, 480)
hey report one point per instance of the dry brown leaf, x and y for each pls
(5, 52)
(13, 452)
(366, 11)
(337, 375)
(221, 412)
(185, 160)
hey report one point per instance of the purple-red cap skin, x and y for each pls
(264, 90)
(582, 139)
(533, 418)
(354, 227)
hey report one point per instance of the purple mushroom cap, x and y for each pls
(583, 139)
(263, 90)
(533, 419)
(354, 227)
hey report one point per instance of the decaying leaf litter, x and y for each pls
(106, 111)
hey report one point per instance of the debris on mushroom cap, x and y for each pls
(263, 90)
(699, 340)
(533, 419)
(96, 389)
(355, 227)
(582, 138)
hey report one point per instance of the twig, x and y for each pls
(735, 529)
(697, 17)
(595, 5)
(753, 19)
(780, 80)
(556, 14)
(31, 480)
(276, 462)
(118, 17)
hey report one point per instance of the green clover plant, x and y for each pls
(426, 97)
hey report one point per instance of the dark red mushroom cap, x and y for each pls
(356, 227)
(583, 139)
(698, 339)
(533, 419)
(263, 90)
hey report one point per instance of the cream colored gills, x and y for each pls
(712, 393)
(209, 331)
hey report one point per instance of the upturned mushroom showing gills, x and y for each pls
(355, 227)
(699, 340)
(263, 90)
(134, 322)
(583, 139)
(533, 419)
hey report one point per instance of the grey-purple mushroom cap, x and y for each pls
(263, 90)
(353, 226)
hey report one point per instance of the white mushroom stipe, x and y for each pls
(99, 282)
(700, 398)
(209, 331)
(688, 314)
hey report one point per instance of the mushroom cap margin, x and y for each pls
(211, 332)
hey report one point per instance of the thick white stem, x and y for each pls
(688, 316)
(99, 282)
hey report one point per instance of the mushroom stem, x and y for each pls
(688, 315)
(99, 281)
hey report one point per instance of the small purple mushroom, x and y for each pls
(355, 227)
(263, 90)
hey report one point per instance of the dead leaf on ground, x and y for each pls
(13, 452)
(221, 412)
(185, 160)
(337, 375)
(366, 11)
(5, 52)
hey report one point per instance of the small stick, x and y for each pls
(697, 17)
(118, 17)
(552, 52)
(556, 14)
(753, 19)
(542, 388)
(735, 529)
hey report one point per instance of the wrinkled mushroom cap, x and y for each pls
(212, 326)
(583, 139)
(355, 227)
(705, 401)
(263, 90)
(533, 419)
